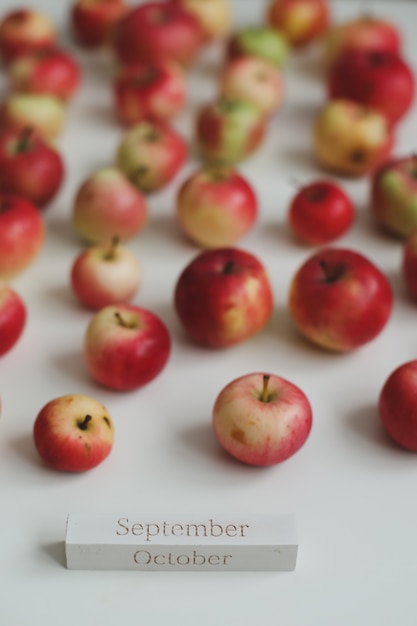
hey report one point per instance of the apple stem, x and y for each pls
(229, 267)
(331, 274)
(83, 425)
(264, 394)
(25, 136)
(109, 256)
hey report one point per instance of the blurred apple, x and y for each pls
(259, 41)
(301, 21)
(24, 31)
(93, 22)
(12, 317)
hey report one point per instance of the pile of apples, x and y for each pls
(339, 300)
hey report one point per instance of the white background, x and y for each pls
(353, 492)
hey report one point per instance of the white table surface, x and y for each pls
(352, 491)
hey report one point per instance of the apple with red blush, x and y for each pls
(260, 41)
(13, 317)
(150, 154)
(157, 31)
(24, 31)
(105, 274)
(366, 33)
(214, 16)
(42, 112)
(254, 80)
(30, 166)
(216, 207)
(93, 22)
(397, 405)
(351, 139)
(145, 90)
(22, 234)
(320, 212)
(339, 299)
(393, 195)
(73, 433)
(301, 21)
(262, 419)
(381, 80)
(223, 297)
(108, 205)
(53, 71)
(229, 131)
(126, 346)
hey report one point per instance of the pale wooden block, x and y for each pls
(196, 543)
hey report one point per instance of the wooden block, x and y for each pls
(196, 543)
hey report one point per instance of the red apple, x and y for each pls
(216, 207)
(409, 264)
(320, 212)
(105, 274)
(22, 233)
(150, 154)
(351, 139)
(108, 205)
(371, 78)
(41, 111)
(366, 33)
(262, 419)
(261, 41)
(252, 79)
(394, 195)
(214, 16)
(301, 21)
(54, 72)
(229, 131)
(93, 22)
(73, 433)
(126, 346)
(12, 317)
(339, 299)
(29, 166)
(146, 90)
(397, 405)
(157, 31)
(23, 31)
(223, 297)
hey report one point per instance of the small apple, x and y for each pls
(41, 111)
(23, 31)
(146, 90)
(223, 297)
(105, 274)
(156, 31)
(397, 405)
(150, 154)
(259, 41)
(350, 138)
(73, 433)
(54, 72)
(339, 300)
(93, 22)
(216, 207)
(30, 166)
(409, 263)
(366, 33)
(12, 317)
(262, 419)
(320, 212)
(394, 195)
(371, 78)
(301, 21)
(252, 79)
(108, 205)
(22, 234)
(214, 16)
(229, 131)
(126, 346)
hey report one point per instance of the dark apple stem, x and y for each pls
(120, 319)
(84, 424)
(109, 256)
(24, 139)
(229, 267)
(264, 394)
(331, 274)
